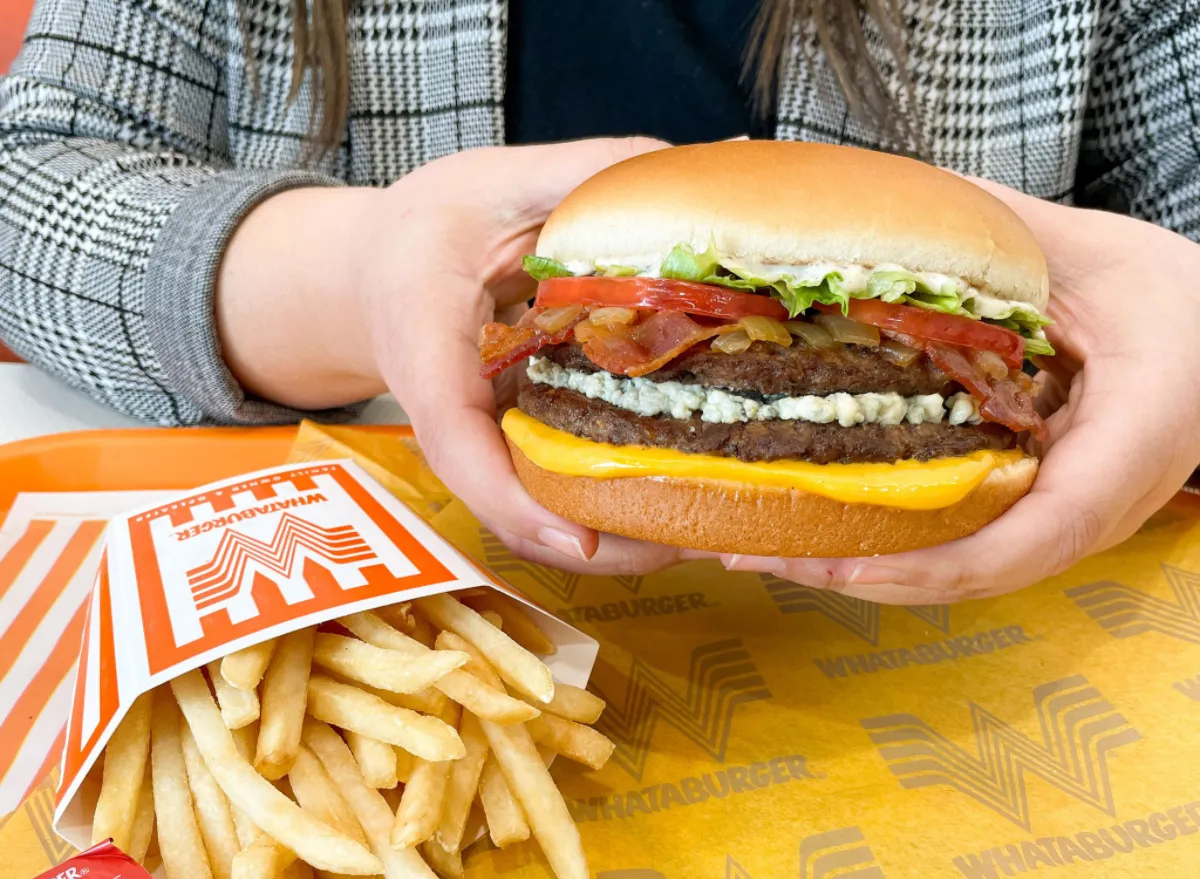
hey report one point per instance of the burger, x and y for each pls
(777, 349)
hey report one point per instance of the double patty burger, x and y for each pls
(777, 349)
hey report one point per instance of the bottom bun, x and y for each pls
(728, 517)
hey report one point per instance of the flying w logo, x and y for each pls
(1079, 728)
(853, 614)
(720, 678)
(238, 556)
(1123, 611)
(842, 853)
(560, 584)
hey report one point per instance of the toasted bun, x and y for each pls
(799, 203)
(750, 520)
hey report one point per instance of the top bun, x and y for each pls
(794, 204)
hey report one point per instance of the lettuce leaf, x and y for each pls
(541, 267)
(684, 264)
(1038, 346)
(798, 295)
(615, 271)
(891, 286)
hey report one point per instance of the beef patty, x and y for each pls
(766, 368)
(758, 440)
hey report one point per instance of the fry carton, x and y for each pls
(232, 564)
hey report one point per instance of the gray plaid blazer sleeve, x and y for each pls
(117, 196)
(1140, 145)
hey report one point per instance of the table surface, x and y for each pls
(33, 403)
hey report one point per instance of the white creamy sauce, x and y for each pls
(649, 398)
(855, 278)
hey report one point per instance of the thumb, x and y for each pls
(433, 369)
(536, 178)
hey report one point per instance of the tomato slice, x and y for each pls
(660, 294)
(937, 327)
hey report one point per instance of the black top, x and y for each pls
(665, 68)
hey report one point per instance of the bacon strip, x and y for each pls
(1002, 400)
(502, 346)
(633, 350)
(644, 347)
(659, 337)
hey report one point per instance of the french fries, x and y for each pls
(212, 810)
(404, 765)
(574, 704)
(516, 621)
(245, 668)
(143, 821)
(544, 807)
(430, 701)
(315, 791)
(250, 780)
(368, 804)
(284, 691)
(505, 821)
(448, 864)
(312, 840)
(245, 740)
(462, 785)
(358, 711)
(124, 767)
(263, 858)
(516, 665)
(399, 616)
(179, 837)
(421, 802)
(239, 708)
(573, 740)
(528, 778)
(463, 688)
(383, 669)
(376, 759)
(298, 870)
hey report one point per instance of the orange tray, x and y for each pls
(144, 459)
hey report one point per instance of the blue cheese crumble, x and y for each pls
(649, 398)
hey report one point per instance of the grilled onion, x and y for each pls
(766, 329)
(554, 319)
(898, 353)
(991, 364)
(848, 331)
(732, 343)
(813, 335)
(612, 316)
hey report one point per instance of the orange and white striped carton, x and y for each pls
(231, 564)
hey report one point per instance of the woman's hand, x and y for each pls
(1125, 433)
(441, 256)
(326, 296)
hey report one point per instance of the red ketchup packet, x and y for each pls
(103, 861)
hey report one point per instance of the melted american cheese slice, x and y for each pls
(907, 485)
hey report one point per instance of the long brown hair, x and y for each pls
(320, 47)
(841, 31)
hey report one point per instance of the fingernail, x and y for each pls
(756, 564)
(562, 541)
(873, 575)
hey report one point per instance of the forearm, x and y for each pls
(288, 305)
(117, 212)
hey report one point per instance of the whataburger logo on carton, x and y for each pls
(242, 561)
